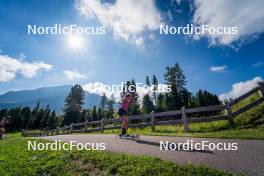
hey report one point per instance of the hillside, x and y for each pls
(251, 118)
(52, 96)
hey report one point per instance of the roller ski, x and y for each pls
(127, 136)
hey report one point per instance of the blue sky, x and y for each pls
(132, 46)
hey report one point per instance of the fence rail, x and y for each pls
(186, 117)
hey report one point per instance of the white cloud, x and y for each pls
(240, 88)
(218, 68)
(10, 67)
(128, 19)
(74, 74)
(248, 16)
(178, 2)
(22, 56)
(258, 64)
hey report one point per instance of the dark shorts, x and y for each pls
(122, 112)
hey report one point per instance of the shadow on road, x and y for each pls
(179, 148)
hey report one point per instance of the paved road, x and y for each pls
(248, 158)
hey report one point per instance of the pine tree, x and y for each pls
(89, 115)
(147, 104)
(103, 101)
(45, 117)
(110, 106)
(147, 81)
(155, 88)
(161, 103)
(52, 120)
(175, 77)
(83, 115)
(205, 98)
(73, 105)
(134, 107)
(33, 116)
(186, 98)
(94, 114)
(25, 116)
(100, 114)
(15, 114)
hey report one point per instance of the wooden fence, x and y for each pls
(183, 116)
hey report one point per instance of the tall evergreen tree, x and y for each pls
(83, 115)
(147, 104)
(134, 107)
(110, 106)
(103, 102)
(161, 103)
(155, 88)
(73, 105)
(100, 114)
(52, 120)
(33, 116)
(186, 98)
(89, 115)
(147, 81)
(175, 77)
(25, 116)
(94, 114)
(205, 98)
(15, 114)
(45, 117)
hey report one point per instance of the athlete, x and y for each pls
(3, 122)
(126, 100)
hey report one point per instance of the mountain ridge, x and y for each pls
(52, 96)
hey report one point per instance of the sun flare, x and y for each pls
(75, 42)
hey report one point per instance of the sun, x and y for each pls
(75, 42)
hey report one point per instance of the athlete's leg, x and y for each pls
(2, 131)
(124, 124)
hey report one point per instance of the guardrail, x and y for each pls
(183, 116)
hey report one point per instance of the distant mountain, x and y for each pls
(52, 96)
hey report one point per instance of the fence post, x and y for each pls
(185, 121)
(261, 88)
(230, 114)
(152, 121)
(71, 128)
(85, 126)
(102, 125)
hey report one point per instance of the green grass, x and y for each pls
(16, 160)
(251, 118)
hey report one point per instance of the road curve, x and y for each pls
(248, 158)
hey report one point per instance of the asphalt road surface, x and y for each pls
(248, 158)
